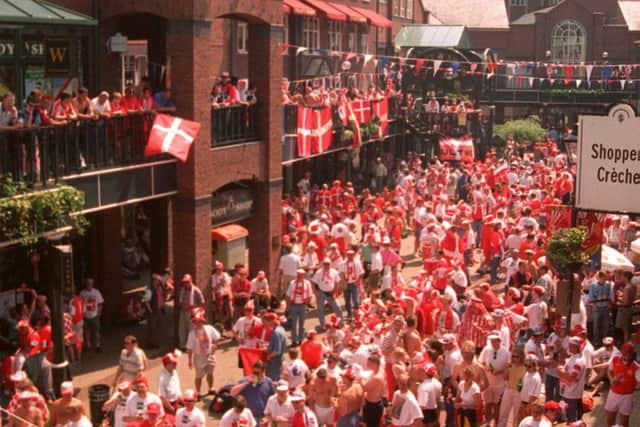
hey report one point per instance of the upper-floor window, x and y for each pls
(517, 2)
(311, 33)
(285, 24)
(403, 9)
(243, 36)
(335, 35)
(569, 42)
(363, 40)
(548, 3)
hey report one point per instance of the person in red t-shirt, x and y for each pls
(495, 250)
(311, 351)
(624, 376)
(130, 101)
(241, 290)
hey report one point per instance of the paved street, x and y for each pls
(100, 368)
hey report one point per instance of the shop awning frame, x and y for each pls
(356, 17)
(42, 13)
(373, 18)
(329, 11)
(298, 8)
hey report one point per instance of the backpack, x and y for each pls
(222, 401)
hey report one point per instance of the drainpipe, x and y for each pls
(95, 11)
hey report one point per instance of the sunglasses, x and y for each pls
(129, 342)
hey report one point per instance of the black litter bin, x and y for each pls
(98, 395)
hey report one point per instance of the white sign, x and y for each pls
(608, 172)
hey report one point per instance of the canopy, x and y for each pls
(374, 18)
(349, 12)
(441, 36)
(613, 260)
(40, 12)
(298, 8)
(325, 8)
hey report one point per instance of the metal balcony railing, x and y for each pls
(233, 125)
(44, 154)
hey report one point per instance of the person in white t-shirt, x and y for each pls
(294, 370)
(429, 393)
(189, 415)
(531, 385)
(76, 414)
(405, 410)
(328, 281)
(495, 359)
(201, 346)
(260, 290)
(468, 398)
(93, 302)
(117, 403)
(279, 409)
(352, 273)
(537, 418)
(572, 380)
(537, 311)
(238, 416)
(138, 402)
(101, 104)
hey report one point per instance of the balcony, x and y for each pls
(451, 124)
(559, 96)
(103, 158)
(232, 125)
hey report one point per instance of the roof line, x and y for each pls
(50, 9)
(17, 8)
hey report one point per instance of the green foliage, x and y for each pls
(564, 249)
(572, 92)
(528, 129)
(25, 216)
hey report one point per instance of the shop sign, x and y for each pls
(58, 57)
(31, 48)
(231, 205)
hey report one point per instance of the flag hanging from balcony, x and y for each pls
(362, 110)
(315, 130)
(351, 117)
(381, 109)
(171, 135)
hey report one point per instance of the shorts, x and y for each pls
(493, 394)
(77, 328)
(429, 416)
(621, 403)
(623, 318)
(204, 364)
(92, 324)
(325, 415)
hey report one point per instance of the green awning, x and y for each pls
(40, 12)
(441, 36)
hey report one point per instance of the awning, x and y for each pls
(351, 16)
(440, 36)
(299, 8)
(40, 12)
(329, 11)
(374, 18)
(286, 9)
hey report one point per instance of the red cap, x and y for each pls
(154, 408)
(627, 348)
(186, 278)
(169, 358)
(350, 374)
(551, 405)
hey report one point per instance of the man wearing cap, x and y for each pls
(139, 402)
(537, 418)
(217, 295)
(59, 414)
(349, 401)
(302, 415)
(169, 382)
(352, 273)
(429, 393)
(537, 312)
(600, 359)
(201, 347)
(189, 297)
(26, 411)
(624, 376)
(531, 386)
(327, 280)
(93, 302)
(189, 415)
(572, 380)
(495, 359)
(600, 294)
(298, 294)
(247, 328)
(279, 409)
(240, 290)
(117, 403)
(535, 345)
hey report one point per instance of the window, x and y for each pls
(403, 9)
(311, 33)
(517, 2)
(335, 35)
(396, 8)
(352, 36)
(363, 40)
(548, 3)
(243, 33)
(409, 14)
(568, 42)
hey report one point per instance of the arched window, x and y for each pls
(568, 42)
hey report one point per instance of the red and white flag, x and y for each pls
(171, 135)
(456, 150)
(315, 130)
(304, 131)
(381, 109)
(351, 116)
(362, 110)
(501, 171)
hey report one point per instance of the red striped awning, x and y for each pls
(374, 18)
(351, 16)
(286, 9)
(329, 11)
(299, 8)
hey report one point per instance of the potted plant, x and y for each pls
(565, 252)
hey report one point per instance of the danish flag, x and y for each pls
(362, 110)
(381, 109)
(351, 116)
(501, 171)
(314, 130)
(171, 135)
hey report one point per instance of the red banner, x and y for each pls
(249, 356)
(593, 222)
(559, 217)
(456, 149)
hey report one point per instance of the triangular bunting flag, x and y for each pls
(349, 56)
(568, 72)
(530, 81)
(589, 70)
(622, 83)
(300, 50)
(367, 58)
(473, 67)
(419, 63)
(578, 83)
(285, 48)
(436, 66)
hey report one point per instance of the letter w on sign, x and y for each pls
(171, 135)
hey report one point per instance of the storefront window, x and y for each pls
(7, 78)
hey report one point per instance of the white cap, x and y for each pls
(282, 385)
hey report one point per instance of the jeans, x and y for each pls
(351, 298)
(574, 409)
(470, 415)
(552, 388)
(495, 263)
(297, 315)
(322, 297)
(349, 420)
(476, 226)
(600, 323)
